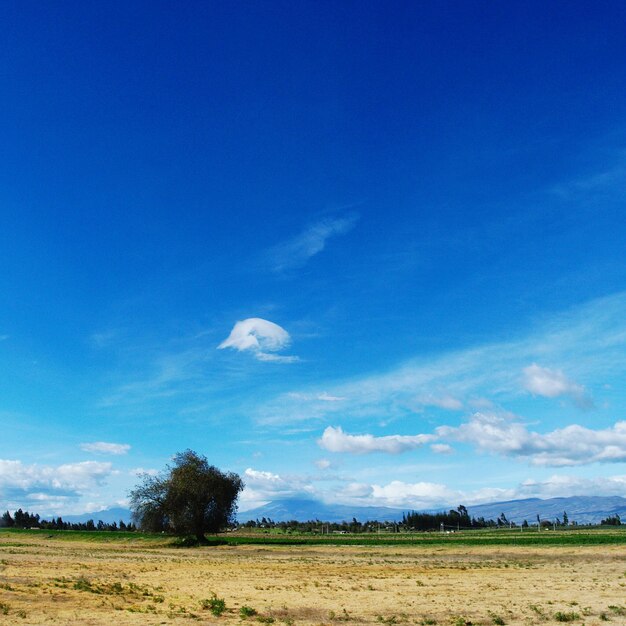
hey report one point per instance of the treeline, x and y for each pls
(454, 519)
(24, 519)
(411, 521)
(458, 518)
(319, 527)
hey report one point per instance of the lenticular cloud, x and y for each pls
(261, 337)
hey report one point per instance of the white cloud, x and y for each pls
(275, 358)
(424, 495)
(420, 495)
(551, 383)
(261, 478)
(356, 490)
(295, 252)
(325, 397)
(572, 445)
(102, 447)
(15, 476)
(322, 464)
(429, 495)
(140, 471)
(262, 487)
(447, 402)
(335, 440)
(481, 403)
(307, 397)
(560, 486)
(260, 337)
(502, 434)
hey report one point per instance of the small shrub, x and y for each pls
(618, 610)
(246, 611)
(560, 616)
(4, 608)
(214, 604)
(429, 621)
(497, 620)
(82, 584)
(265, 620)
(604, 617)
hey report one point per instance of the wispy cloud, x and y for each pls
(479, 376)
(163, 375)
(322, 464)
(295, 252)
(102, 447)
(323, 397)
(443, 402)
(442, 448)
(260, 337)
(609, 182)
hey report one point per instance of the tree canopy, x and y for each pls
(189, 497)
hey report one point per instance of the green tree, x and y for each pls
(189, 497)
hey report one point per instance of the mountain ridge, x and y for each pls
(580, 509)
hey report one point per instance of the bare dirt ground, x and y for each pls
(47, 580)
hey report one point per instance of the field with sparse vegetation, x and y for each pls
(501, 577)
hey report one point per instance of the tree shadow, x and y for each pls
(191, 541)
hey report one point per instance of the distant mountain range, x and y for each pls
(108, 516)
(581, 509)
(305, 510)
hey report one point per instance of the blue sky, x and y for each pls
(367, 252)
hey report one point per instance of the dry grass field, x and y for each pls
(45, 579)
